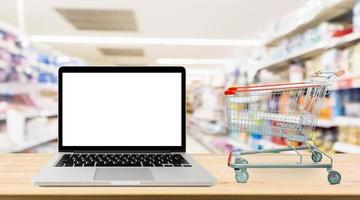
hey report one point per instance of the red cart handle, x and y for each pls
(234, 90)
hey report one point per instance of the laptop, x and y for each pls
(122, 126)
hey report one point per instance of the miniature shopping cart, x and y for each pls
(289, 111)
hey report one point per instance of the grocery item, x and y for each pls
(350, 135)
(326, 108)
(296, 72)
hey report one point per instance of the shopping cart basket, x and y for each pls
(289, 111)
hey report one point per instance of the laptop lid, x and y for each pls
(121, 109)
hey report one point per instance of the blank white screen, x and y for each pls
(121, 109)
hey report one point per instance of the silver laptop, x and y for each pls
(122, 126)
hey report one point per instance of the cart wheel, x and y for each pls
(241, 176)
(334, 177)
(241, 161)
(316, 156)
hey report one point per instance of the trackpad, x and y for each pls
(126, 174)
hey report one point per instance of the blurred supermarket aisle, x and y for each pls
(286, 43)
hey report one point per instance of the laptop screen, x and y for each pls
(121, 109)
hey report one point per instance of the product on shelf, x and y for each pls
(347, 102)
(349, 135)
(21, 61)
(265, 76)
(310, 38)
(330, 60)
(325, 111)
(312, 65)
(352, 103)
(193, 96)
(28, 79)
(298, 45)
(296, 72)
(325, 139)
(345, 59)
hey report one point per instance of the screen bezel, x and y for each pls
(120, 69)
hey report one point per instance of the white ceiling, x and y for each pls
(222, 19)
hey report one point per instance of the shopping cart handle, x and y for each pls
(296, 85)
(234, 90)
(231, 91)
(340, 73)
(337, 73)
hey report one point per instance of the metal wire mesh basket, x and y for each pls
(288, 111)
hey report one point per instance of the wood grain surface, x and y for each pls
(16, 171)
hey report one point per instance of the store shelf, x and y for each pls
(31, 144)
(209, 140)
(34, 113)
(9, 28)
(325, 123)
(347, 121)
(348, 82)
(311, 51)
(41, 113)
(337, 8)
(346, 148)
(16, 88)
(306, 53)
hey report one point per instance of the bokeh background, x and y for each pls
(221, 43)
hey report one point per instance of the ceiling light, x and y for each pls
(196, 72)
(142, 41)
(191, 61)
(20, 15)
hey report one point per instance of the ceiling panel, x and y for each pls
(168, 18)
(100, 20)
(122, 52)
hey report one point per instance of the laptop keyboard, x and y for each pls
(122, 160)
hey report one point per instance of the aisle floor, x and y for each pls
(193, 146)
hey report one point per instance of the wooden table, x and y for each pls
(16, 171)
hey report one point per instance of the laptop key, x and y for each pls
(89, 165)
(147, 164)
(78, 164)
(69, 164)
(158, 164)
(60, 164)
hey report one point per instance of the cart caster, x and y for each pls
(241, 161)
(334, 177)
(241, 176)
(316, 156)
